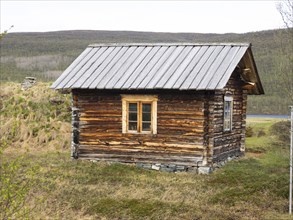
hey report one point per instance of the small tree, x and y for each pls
(285, 61)
(15, 185)
(4, 33)
(285, 9)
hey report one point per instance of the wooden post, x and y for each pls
(291, 154)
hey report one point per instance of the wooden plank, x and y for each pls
(223, 68)
(89, 75)
(236, 59)
(108, 64)
(158, 65)
(66, 75)
(102, 63)
(208, 77)
(136, 64)
(177, 68)
(85, 71)
(141, 68)
(109, 74)
(126, 63)
(147, 67)
(205, 67)
(153, 157)
(165, 67)
(143, 160)
(81, 68)
(193, 63)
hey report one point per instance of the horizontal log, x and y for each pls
(225, 155)
(184, 113)
(102, 115)
(147, 161)
(183, 126)
(186, 107)
(88, 119)
(176, 117)
(139, 149)
(152, 157)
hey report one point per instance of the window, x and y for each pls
(228, 111)
(139, 114)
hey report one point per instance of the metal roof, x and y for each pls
(182, 66)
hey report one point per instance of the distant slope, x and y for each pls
(46, 55)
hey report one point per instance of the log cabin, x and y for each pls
(162, 106)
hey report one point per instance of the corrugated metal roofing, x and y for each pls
(153, 66)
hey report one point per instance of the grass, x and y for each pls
(250, 188)
(253, 187)
(30, 120)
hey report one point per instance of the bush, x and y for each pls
(261, 133)
(281, 130)
(249, 131)
(16, 182)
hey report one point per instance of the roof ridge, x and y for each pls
(169, 44)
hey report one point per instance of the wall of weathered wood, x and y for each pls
(189, 127)
(180, 137)
(223, 144)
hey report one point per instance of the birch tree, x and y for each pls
(285, 58)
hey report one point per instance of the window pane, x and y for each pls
(227, 115)
(132, 116)
(146, 117)
(227, 106)
(132, 126)
(146, 126)
(146, 107)
(226, 125)
(133, 107)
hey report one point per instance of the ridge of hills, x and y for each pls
(46, 54)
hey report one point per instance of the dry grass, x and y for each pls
(244, 189)
(30, 121)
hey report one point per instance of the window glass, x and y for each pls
(146, 126)
(132, 117)
(133, 107)
(132, 126)
(228, 114)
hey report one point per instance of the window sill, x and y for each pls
(135, 132)
(139, 134)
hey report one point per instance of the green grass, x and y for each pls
(260, 143)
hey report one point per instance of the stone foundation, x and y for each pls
(174, 168)
(182, 168)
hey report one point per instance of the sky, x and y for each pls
(157, 16)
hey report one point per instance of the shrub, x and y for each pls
(261, 133)
(249, 131)
(281, 130)
(16, 182)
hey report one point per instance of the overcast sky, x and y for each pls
(158, 16)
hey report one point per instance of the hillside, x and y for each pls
(46, 55)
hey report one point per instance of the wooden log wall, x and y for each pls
(224, 144)
(180, 129)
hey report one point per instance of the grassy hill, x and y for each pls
(36, 132)
(46, 55)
